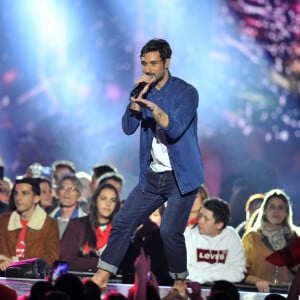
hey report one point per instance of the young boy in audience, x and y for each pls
(214, 250)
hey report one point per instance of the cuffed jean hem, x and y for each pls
(107, 267)
(181, 276)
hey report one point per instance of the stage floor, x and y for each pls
(23, 286)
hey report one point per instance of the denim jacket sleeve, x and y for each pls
(185, 111)
(130, 121)
(179, 100)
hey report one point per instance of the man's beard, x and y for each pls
(158, 80)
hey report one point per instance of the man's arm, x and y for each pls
(161, 118)
(134, 106)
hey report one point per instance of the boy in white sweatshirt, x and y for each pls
(214, 250)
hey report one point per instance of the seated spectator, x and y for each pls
(87, 193)
(114, 178)
(202, 194)
(27, 232)
(252, 205)
(69, 190)
(45, 174)
(85, 238)
(5, 189)
(47, 202)
(214, 250)
(273, 230)
(61, 167)
(98, 171)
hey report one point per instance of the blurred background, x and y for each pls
(67, 67)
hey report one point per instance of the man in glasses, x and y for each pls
(68, 190)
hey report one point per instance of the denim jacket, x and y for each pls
(180, 101)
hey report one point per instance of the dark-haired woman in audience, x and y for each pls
(273, 230)
(85, 238)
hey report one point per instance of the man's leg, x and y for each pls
(172, 228)
(136, 209)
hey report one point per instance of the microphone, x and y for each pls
(136, 91)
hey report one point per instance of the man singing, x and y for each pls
(171, 167)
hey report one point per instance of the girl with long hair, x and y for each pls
(85, 238)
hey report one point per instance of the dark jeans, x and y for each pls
(160, 187)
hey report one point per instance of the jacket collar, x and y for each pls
(36, 222)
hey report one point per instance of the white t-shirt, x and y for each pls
(159, 151)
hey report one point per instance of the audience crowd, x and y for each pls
(58, 214)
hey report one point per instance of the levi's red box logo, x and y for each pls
(212, 256)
